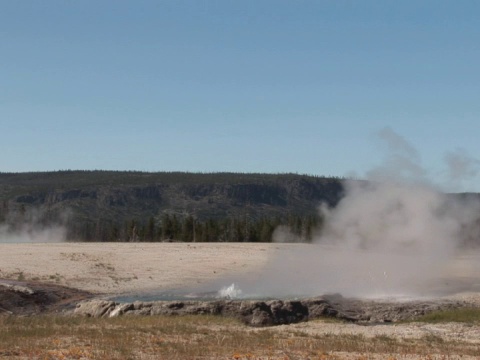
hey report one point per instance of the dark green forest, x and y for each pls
(175, 206)
(166, 206)
(190, 229)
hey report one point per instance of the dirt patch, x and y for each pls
(32, 298)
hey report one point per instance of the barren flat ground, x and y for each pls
(122, 268)
(119, 268)
(137, 268)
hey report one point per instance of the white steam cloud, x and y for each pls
(395, 238)
(402, 161)
(33, 235)
(460, 168)
(393, 235)
(31, 228)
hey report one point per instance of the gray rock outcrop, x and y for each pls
(254, 313)
(273, 312)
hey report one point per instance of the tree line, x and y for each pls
(294, 228)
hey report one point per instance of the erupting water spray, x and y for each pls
(230, 292)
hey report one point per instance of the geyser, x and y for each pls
(393, 235)
(229, 292)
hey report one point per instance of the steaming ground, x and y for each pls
(258, 270)
(303, 270)
(31, 234)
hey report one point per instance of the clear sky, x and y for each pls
(244, 86)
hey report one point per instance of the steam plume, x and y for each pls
(32, 228)
(460, 168)
(393, 235)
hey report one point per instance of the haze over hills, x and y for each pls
(118, 205)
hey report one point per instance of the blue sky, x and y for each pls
(249, 86)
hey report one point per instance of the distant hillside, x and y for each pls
(119, 206)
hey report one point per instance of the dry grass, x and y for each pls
(197, 337)
(463, 315)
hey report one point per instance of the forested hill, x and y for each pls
(132, 206)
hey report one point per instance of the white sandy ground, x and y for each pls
(120, 268)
